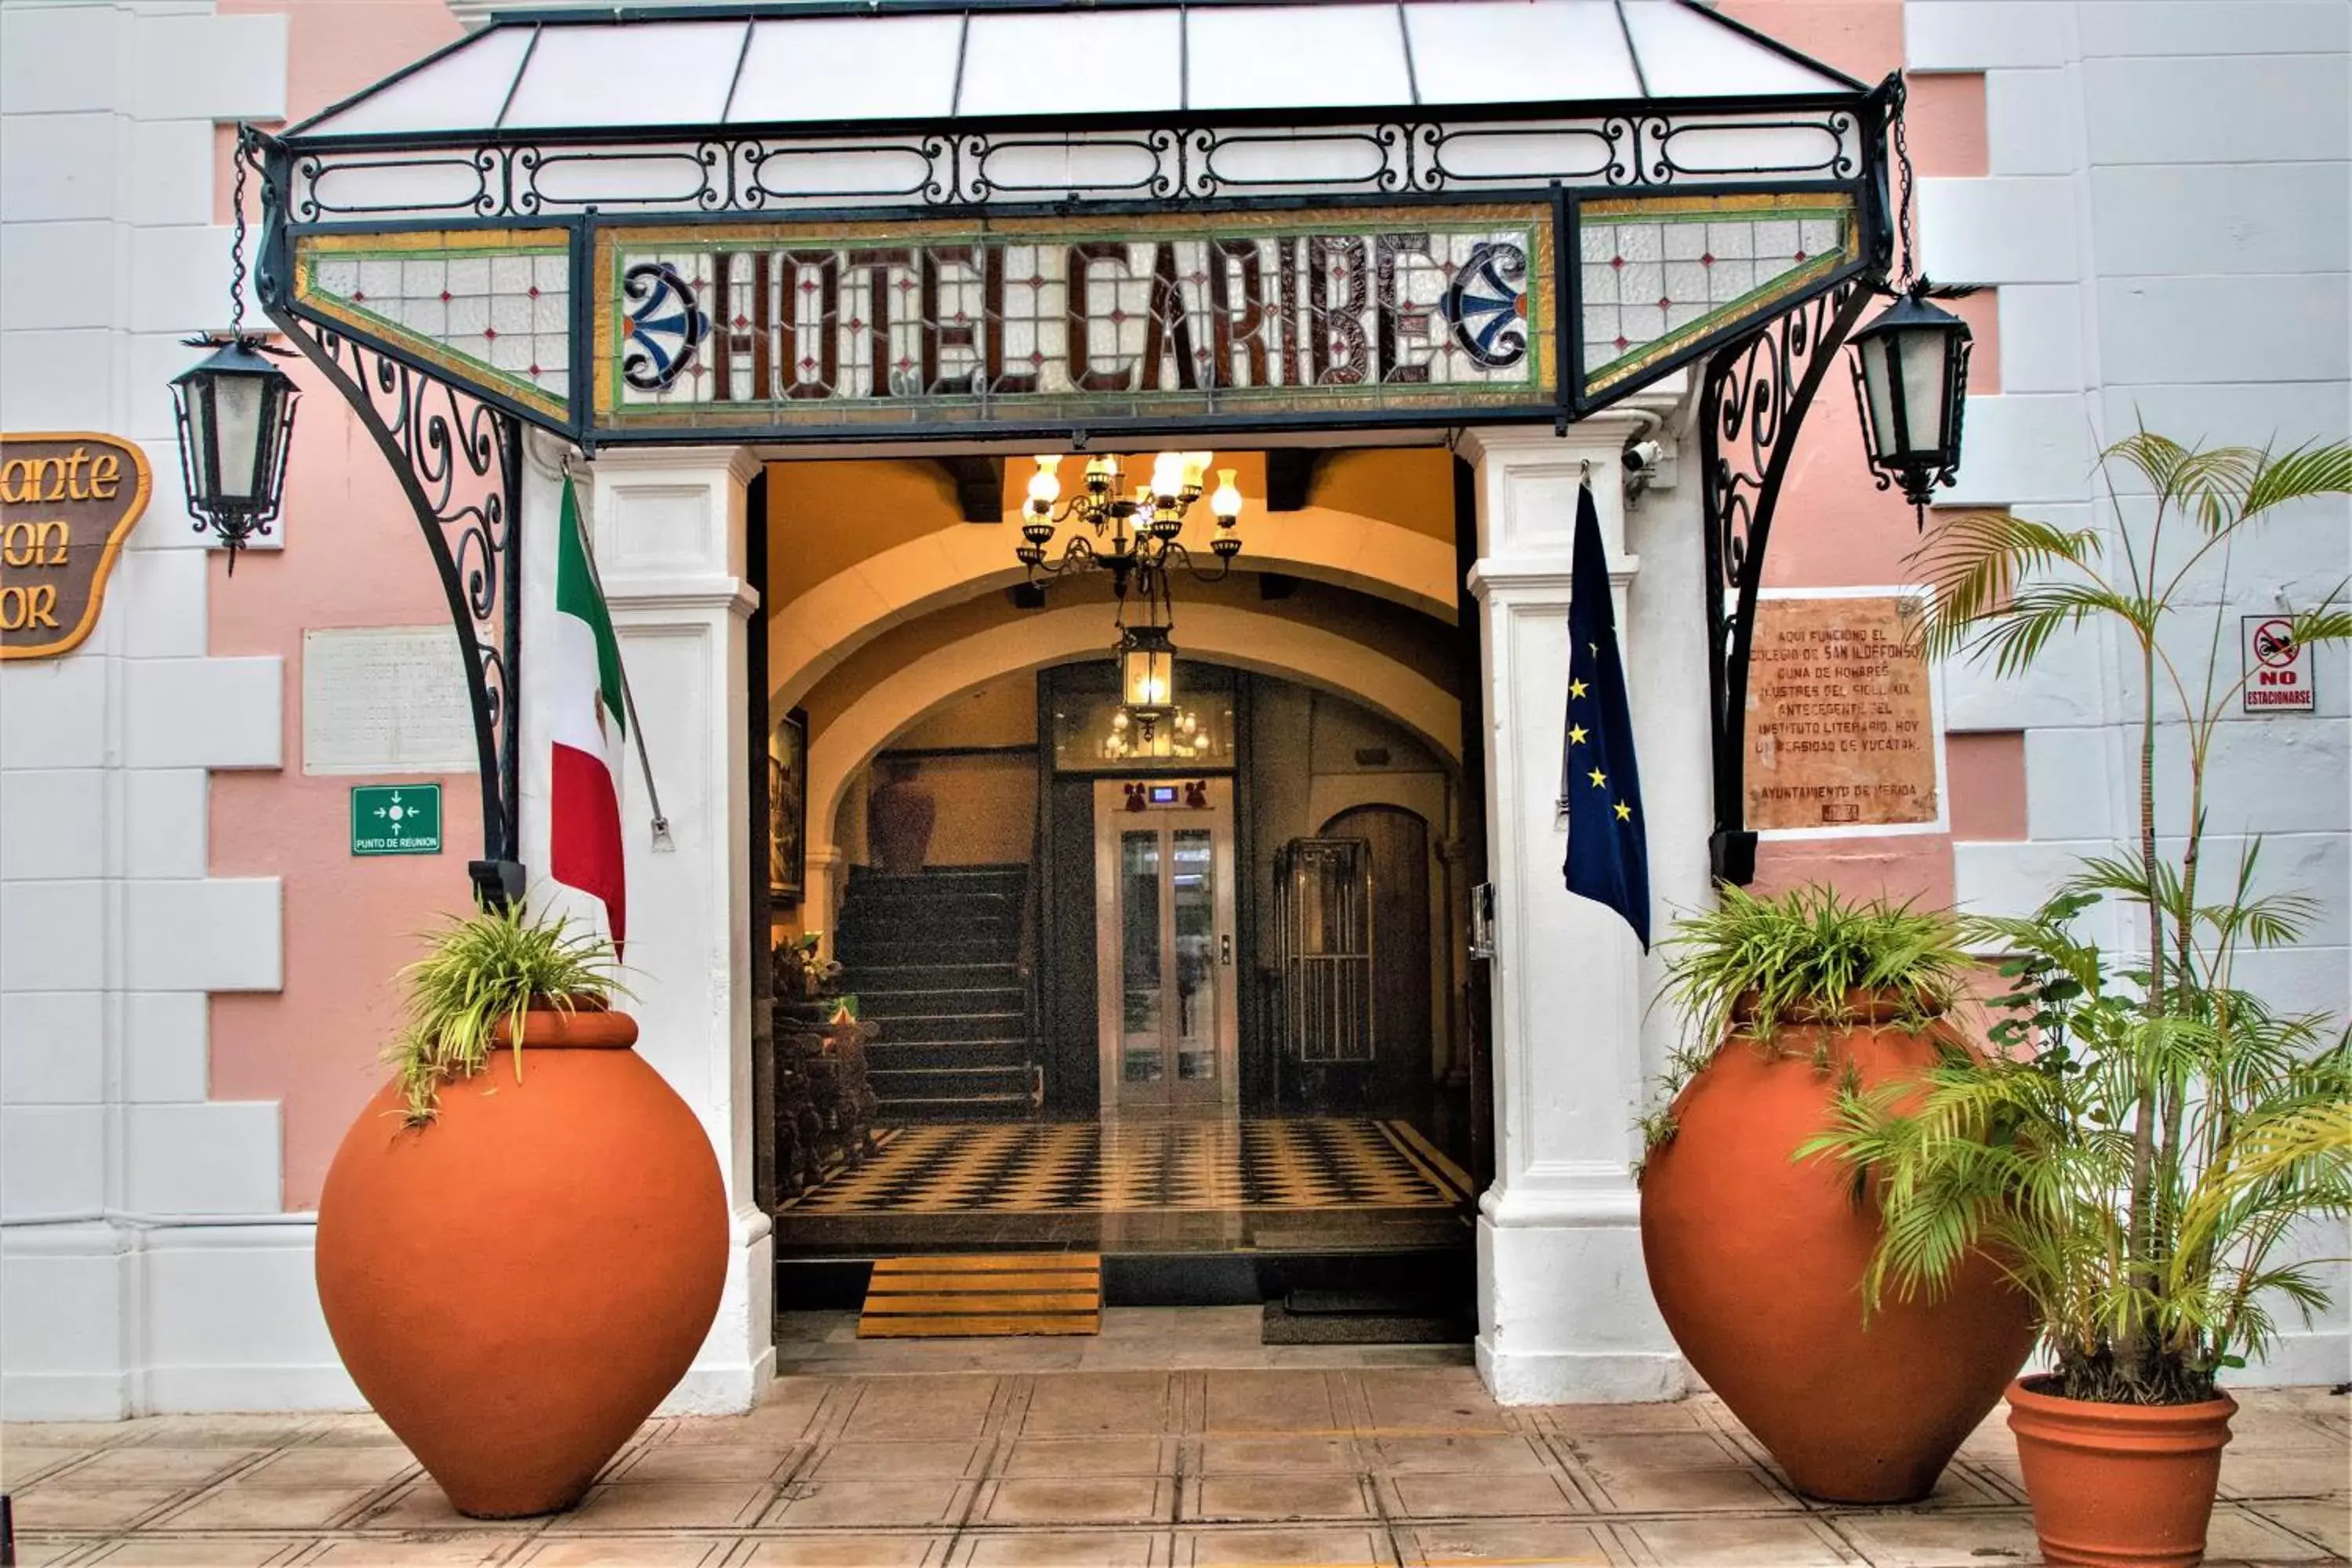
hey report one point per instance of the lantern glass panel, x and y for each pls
(196, 399)
(239, 403)
(1148, 676)
(1920, 353)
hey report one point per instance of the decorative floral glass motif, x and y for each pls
(1656, 275)
(493, 305)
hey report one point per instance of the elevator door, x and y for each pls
(1164, 946)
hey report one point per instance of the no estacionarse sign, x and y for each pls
(1841, 728)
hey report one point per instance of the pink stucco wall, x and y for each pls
(353, 558)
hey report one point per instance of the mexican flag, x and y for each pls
(591, 732)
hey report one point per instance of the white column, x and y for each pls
(1565, 1312)
(668, 532)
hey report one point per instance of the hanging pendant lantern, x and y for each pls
(235, 413)
(1147, 670)
(1910, 371)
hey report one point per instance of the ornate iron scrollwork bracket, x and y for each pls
(459, 461)
(1752, 405)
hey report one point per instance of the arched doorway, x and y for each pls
(1404, 1040)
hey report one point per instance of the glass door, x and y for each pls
(1165, 951)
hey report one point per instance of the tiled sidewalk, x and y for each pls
(1170, 1468)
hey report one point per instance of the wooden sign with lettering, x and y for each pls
(1841, 720)
(67, 500)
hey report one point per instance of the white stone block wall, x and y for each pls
(144, 1263)
(2167, 218)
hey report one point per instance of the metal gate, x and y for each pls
(1323, 912)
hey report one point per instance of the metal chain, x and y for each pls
(237, 248)
(1906, 260)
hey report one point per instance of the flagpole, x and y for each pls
(628, 696)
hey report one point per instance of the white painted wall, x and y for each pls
(144, 1263)
(2169, 218)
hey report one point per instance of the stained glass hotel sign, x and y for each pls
(1174, 315)
(1395, 313)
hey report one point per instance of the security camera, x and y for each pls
(1642, 457)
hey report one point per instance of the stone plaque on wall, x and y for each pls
(1840, 727)
(385, 699)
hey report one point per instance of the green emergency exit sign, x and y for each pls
(396, 819)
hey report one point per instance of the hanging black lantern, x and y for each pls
(1911, 377)
(237, 420)
(1147, 670)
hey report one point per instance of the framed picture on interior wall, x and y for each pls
(788, 808)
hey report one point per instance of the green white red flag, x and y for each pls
(590, 732)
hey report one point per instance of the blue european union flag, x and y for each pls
(1608, 843)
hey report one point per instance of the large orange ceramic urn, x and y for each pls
(1757, 1263)
(515, 1285)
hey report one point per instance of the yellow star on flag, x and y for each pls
(1625, 812)
(1576, 688)
(1598, 778)
(1576, 734)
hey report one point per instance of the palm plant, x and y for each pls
(2141, 1168)
(1750, 966)
(484, 969)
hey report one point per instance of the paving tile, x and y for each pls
(875, 1504)
(2329, 1523)
(235, 1506)
(363, 1465)
(1051, 1456)
(152, 1463)
(897, 1461)
(1481, 1496)
(1271, 1402)
(1519, 1542)
(669, 1505)
(41, 1551)
(203, 1551)
(858, 1551)
(1060, 1549)
(1575, 1420)
(1249, 1498)
(1282, 1456)
(1973, 1538)
(705, 1462)
(1099, 1500)
(1323, 1547)
(624, 1551)
(467, 1551)
(226, 1431)
(1447, 1399)
(364, 1429)
(2314, 1474)
(1762, 1542)
(1067, 1403)
(64, 1504)
(921, 1405)
(1629, 1453)
(2238, 1533)
(1437, 1455)
(22, 1465)
(1663, 1491)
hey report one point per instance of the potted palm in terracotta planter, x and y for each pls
(523, 1238)
(1756, 1260)
(2142, 1151)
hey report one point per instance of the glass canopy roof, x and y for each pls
(811, 66)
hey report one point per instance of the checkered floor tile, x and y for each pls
(1296, 1163)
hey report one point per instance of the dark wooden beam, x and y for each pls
(980, 487)
(1289, 475)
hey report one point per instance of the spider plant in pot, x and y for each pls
(523, 1236)
(1757, 1261)
(2151, 1153)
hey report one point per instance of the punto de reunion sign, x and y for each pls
(67, 500)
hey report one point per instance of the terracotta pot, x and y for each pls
(517, 1285)
(2119, 1486)
(1757, 1261)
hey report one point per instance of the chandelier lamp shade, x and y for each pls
(1910, 373)
(1135, 536)
(236, 415)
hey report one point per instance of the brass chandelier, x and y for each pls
(1134, 538)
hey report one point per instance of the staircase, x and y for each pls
(934, 957)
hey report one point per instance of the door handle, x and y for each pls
(1225, 948)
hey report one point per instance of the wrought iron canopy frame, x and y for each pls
(455, 444)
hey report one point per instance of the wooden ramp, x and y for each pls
(983, 1293)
